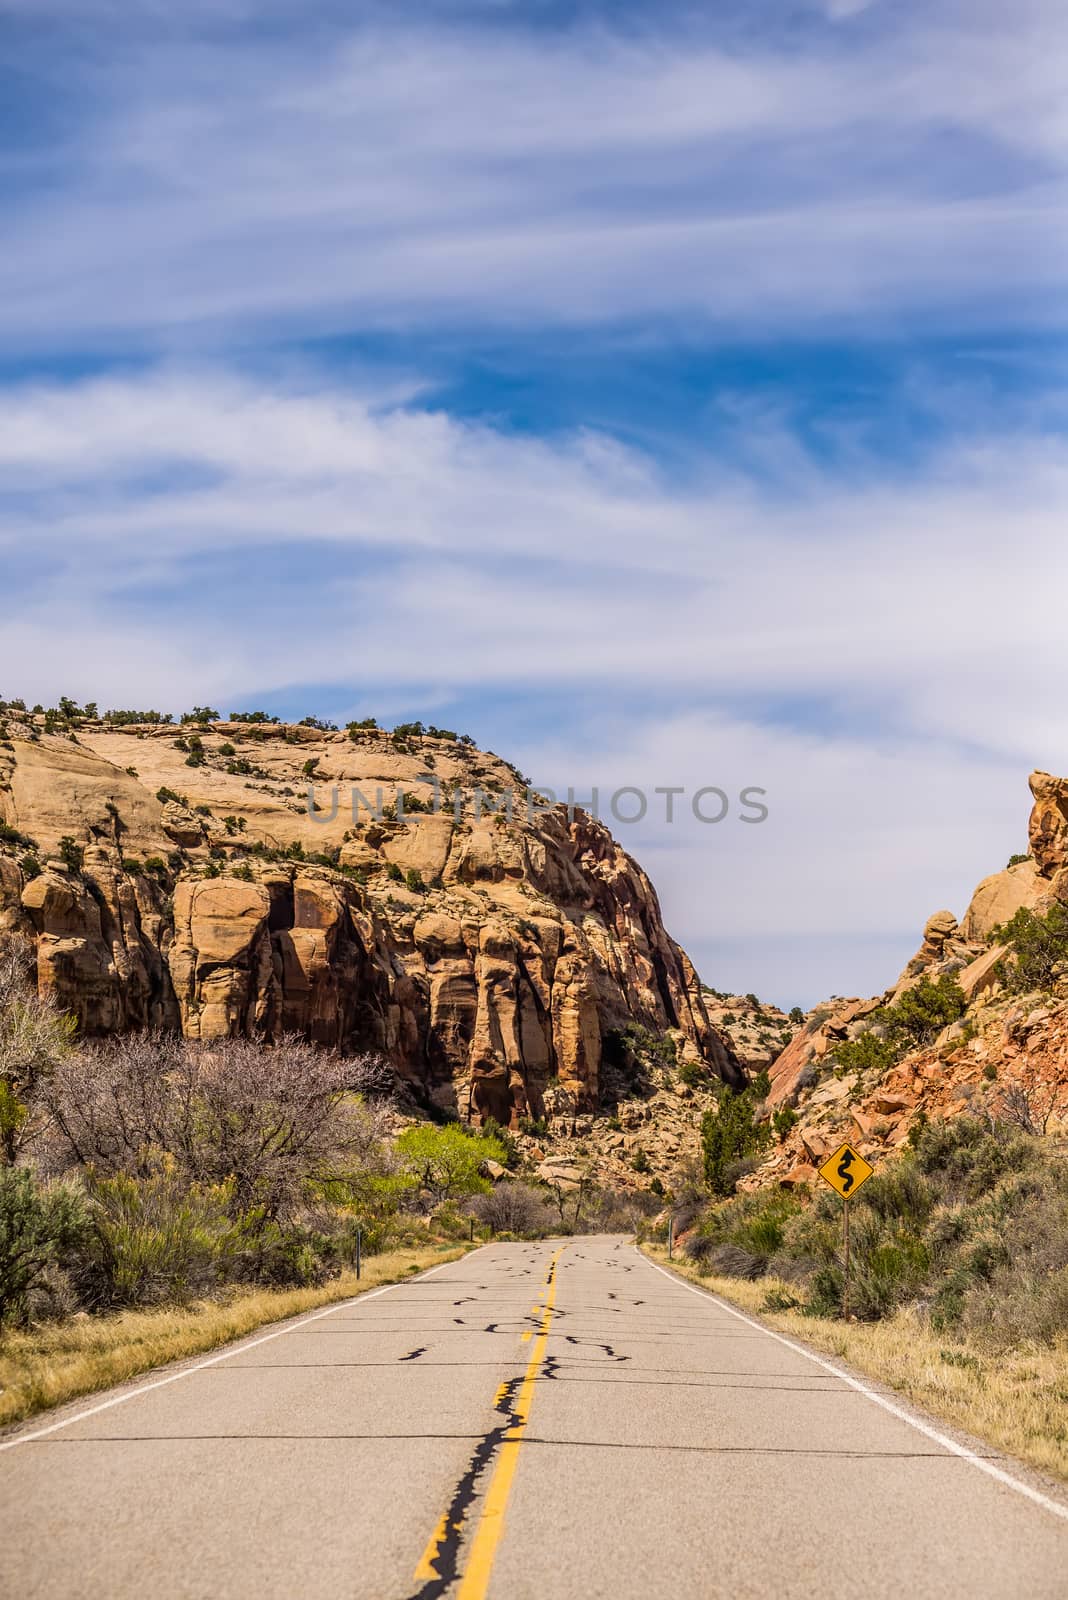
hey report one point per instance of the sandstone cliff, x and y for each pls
(173, 878)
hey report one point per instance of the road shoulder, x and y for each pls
(56, 1365)
(970, 1402)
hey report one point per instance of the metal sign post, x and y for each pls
(359, 1251)
(845, 1171)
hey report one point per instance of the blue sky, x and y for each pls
(663, 393)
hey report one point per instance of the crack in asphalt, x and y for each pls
(446, 1559)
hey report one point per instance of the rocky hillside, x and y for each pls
(756, 1029)
(172, 877)
(1006, 1050)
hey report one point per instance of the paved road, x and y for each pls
(532, 1421)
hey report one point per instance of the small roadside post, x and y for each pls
(671, 1237)
(845, 1171)
(359, 1252)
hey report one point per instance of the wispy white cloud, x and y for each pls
(879, 646)
(391, 173)
(883, 653)
(878, 588)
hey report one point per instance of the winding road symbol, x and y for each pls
(846, 1170)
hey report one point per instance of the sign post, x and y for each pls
(845, 1171)
(359, 1252)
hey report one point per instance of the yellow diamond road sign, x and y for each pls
(846, 1170)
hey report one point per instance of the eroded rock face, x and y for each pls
(961, 951)
(99, 943)
(486, 957)
(1048, 830)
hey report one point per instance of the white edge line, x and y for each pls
(870, 1394)
(231, 1350)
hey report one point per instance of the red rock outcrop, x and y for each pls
(1003, 1052)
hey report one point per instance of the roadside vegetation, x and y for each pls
(1016, 1399)
(959, 1244)
(159, 1196)
(970, 1224)
(46, 1363)
(959, 1268)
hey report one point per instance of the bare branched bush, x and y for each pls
(514, 1207)
(35, 1038)
(1031, 1104)
(264, 1119)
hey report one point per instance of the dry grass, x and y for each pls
(1017, 1402)
(60, 1361)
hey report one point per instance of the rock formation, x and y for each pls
(175, 878)
(1003, 1045)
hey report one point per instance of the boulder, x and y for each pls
(982, 973)
(1000, 896)
(802, 1173)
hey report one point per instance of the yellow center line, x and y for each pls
(427, 1568)
(487, 1535)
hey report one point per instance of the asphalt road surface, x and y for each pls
(537, 1420)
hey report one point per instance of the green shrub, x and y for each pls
(886, 1268)
(121, 719)
(971, 1221)
(631, 1056)
(491, 1129)
(155, 1239)
(445, 1162)
(731, 1133)
(966, 1158)
(868, 1053)
(916, 1020)
(10, 835)
(1040, 944)
(39, 1224)
(71, 854)
(923, 1011)
(783, 1120)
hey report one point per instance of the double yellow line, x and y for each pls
(487, 1536)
